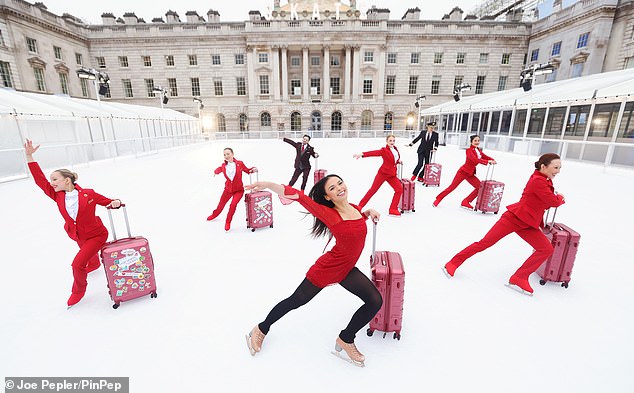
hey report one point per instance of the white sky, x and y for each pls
(231, 10)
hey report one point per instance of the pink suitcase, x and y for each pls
(489, 194)
(319, 173)
(565, 241)
(259, 209)
(406, 203)
(432, 172)
(388, 276)
(129, 266)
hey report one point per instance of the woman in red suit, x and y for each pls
(386, 173)
(334, 215)
(234, 190)
(467, 172)
(77, 206)
(524, 218)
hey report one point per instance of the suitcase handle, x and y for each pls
(257, 178)
(399, 170)
(125, 215)
(316, 164)
(432, 157)
(546, 218)
(492, 168)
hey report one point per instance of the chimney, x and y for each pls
(192, 17)
(412, 14)
(158, 20)
(456, 14)
(377, 13)
(213, 16)
(130, 18)
(172, 17)
(40, 5)
(107, 18)
(255, 16)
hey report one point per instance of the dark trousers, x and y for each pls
(423, 159)
(304, 172)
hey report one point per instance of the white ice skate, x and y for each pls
(444, 270)
(352, 354)
(518, 289)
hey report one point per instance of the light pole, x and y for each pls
(162, 96)
(419, 105)
(200, 107)
(528, 74)
(100, 80)
(457, 91)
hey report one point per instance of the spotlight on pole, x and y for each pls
(528, 74)
(457, 91)
(162, 94)
(100, 79)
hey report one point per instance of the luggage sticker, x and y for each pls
(114, 255)
(143, 249)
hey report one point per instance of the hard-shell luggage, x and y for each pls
(259, 209)
(565, 241)
(319, 173)
(432, 172)
(129, 266)
(388, 275)
(489, 194)
(406, 203)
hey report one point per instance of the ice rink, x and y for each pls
(468, 334)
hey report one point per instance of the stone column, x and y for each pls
(305, 81)
(285, 73)
(250, 73)
(381, 81)
(276, 72)
(356, 78)
(326, 83)
(346, 76)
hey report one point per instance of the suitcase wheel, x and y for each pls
(153, 295)
(370, 332)
(115, 306)
(542, 282)
(413, 210)
(271, 226)
(252, 229)
(397, 336)
(564, 284)
(495, 212)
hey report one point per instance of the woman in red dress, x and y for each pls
(232, 170)
(467, 172)
(77, 206)
(334, 215)
(524, 218)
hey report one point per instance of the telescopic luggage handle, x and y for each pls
(552, 223)
(125, 215)
(490, 167)
(257, 177)
(399, 170)
(374, 224)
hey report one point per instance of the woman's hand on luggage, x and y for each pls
(492, 162)
(254, 170)
(115, 204)
(372, 214)
(357, 156)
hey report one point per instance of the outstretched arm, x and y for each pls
(276, 188)
(29, 149)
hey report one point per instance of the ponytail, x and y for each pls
(545, 160)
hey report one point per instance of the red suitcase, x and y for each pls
(406, 203)
(489, 194)
(432, 172)
(129, 266)
(388, 276)
(319, 173)
(565, 241)
(259, 209)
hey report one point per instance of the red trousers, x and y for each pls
(86, 259)
(378, 181)
(507, 224)
(224, 198)
(459, 178)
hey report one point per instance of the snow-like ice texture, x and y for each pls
(468, 334)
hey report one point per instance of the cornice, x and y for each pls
(7, 12)
(608, 10)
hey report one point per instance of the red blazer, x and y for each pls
(87, 224)
(235, 185)
(388, 168)
(538, 195)
(473, 161)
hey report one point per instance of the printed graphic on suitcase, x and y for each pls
(320, 174)
(431, 175)
(259, 209)
(489, 196)
(388, 276)
(558, 268)
(406, 203)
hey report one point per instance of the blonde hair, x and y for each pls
(67, 174)
(390, 136)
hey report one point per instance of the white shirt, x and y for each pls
(478, 153)
(72, 203)
(393, 149)
(231, 170)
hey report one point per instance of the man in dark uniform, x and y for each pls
(302, 159)
(428, 143)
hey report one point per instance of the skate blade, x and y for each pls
(347, 359)
(518, 289)
(444, 270)
(251, 350)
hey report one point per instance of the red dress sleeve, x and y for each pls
(325, 214)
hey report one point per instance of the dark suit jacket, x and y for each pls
(302, 160)
(426, 145)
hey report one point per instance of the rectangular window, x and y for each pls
(195, 86)
(629, 62)
(149, 87)
(172, 87)
(295, 61)
(484, 58)
(84, 87)
(457, 81)
(438, 58)
(502, 82)
(263, 57)
(367, 84)
(296, 87)
(391, 58)
(147, 61)
(389, 84)
(31, 44)
(241, 86)
(218, 88)
(215, 59)
(335, 61)
(315, 86)
(520, 120)
(123, 61)
(555, 122)
(368, 56)
(506, 58)
(264, 85)
(39, 79)
(412, 86)
(63, 81)
(335, 85)
(536, 122)
(415, 58)
(603, 122)
(480, 84)
(5, 74)
(1, 39)
(57, 51)
(193, 60)
(626, 128)
(577, 70)
(101, 62)
(239, 58)
(314, 61)
(127, 88)
(582, 42)
(551, 77)
(79, 59)
(169, 60)
(535, 55)
(556, 49)
(577, 120)
(461, 57)
(435, 84)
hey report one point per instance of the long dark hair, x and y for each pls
(318, 194)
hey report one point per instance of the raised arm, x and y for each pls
(36, 171)
(290, 142)
(276, 188)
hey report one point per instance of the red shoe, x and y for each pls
(413, 177)
(449, 269)
(421, 179)
(395, 212)
(227, 226)
(212, 217)
(520, 285)
(466, 205)
(74, 298)
(435, 203)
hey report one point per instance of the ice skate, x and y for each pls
(254, 340)
(519, 285)
(352, 353)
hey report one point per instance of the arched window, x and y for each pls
(222, 125)
(410, 121)
(335, 121)
(265, 119)
(388, 121)
(296, 121)
(244, 122)
(366, 120)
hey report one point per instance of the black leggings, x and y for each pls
(355, 282)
